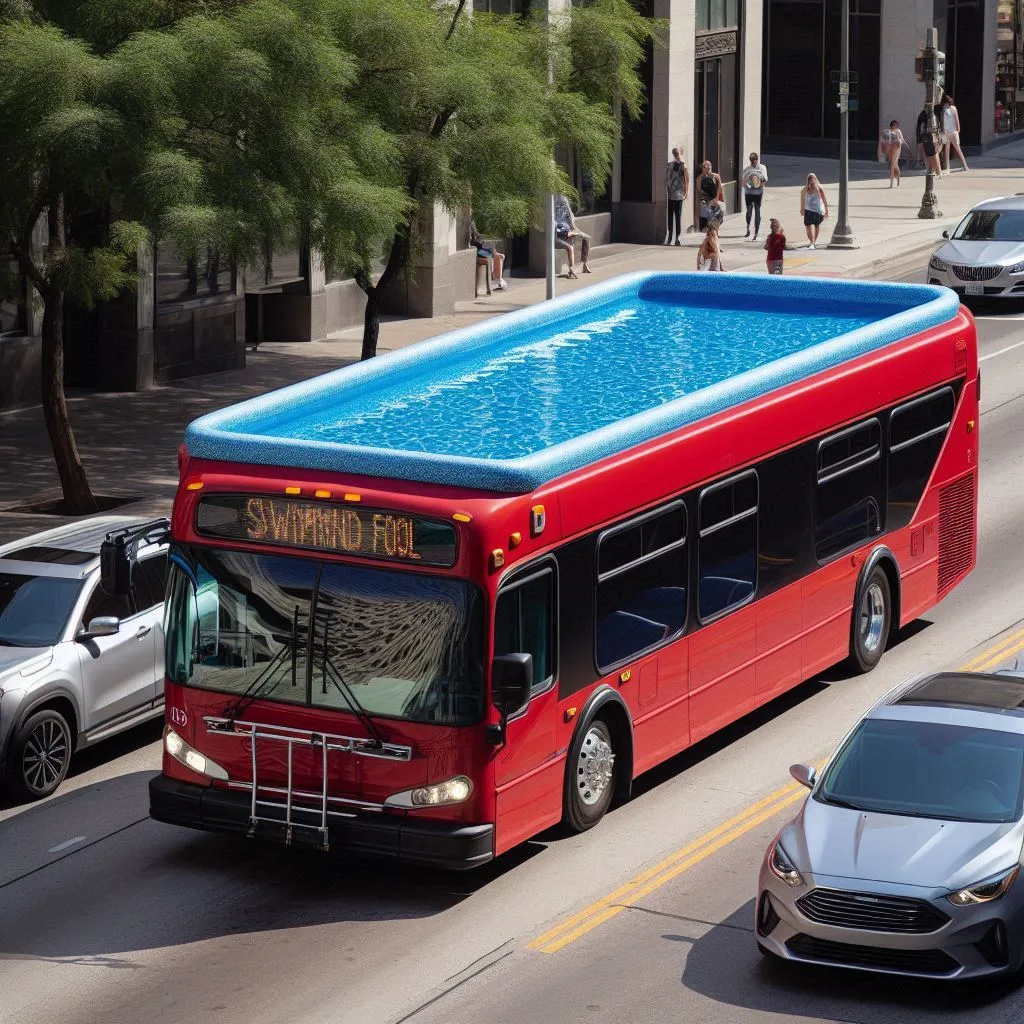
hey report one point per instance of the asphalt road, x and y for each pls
(109, 917)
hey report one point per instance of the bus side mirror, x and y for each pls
(511, 679)
(115, 567)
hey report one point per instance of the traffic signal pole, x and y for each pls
(931, 69)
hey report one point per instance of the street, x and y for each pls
(108, 916)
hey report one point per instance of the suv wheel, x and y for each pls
(40, 755)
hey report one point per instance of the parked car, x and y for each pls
(76, 665)
(906, 855)
(984, 256)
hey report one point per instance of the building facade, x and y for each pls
(984, 45)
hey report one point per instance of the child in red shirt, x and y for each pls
(775, 245)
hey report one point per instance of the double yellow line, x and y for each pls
(700, 849)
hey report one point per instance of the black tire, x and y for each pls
(589, 776)
(40, 755)
(870, 622)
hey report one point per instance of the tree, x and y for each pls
(467, 103)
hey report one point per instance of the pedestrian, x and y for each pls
(566, 232)
(677, 185)
(951, 126)
(813, 208)
(775, 246)
(709, 255)
(711, 195)
(485, 249)
(892, 144)
(926, 143)
(755, 176)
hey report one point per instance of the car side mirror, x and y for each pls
(102, 625)
(804, 774)
(511, 679)
(945, 234)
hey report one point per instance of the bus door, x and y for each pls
(527, 770)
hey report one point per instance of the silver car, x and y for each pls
(906, 855)
(984, 256)
(76, 665)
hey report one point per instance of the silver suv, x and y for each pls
(77, 665)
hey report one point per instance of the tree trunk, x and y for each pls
(371, 324)
(78, 497)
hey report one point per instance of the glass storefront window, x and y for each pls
(1009, 111)
(179, 279)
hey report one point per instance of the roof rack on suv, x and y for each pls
(120, 551)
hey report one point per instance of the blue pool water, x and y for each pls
(520, 399)
(620, 359)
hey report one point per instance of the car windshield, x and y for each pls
(407, 644)
(991, 226)
(34, 609)
(928, 769)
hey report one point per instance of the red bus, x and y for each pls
(431, 605)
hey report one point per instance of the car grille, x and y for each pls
(870, 912)
(916, 961)
(976, 273)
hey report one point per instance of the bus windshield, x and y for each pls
(408, 645)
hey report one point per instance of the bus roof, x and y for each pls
(512, 403)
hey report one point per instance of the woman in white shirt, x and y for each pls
(813, 208)
(951, 126)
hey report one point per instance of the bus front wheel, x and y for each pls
(872, 619)
(590, 776)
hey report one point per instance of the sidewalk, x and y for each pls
(129, 441)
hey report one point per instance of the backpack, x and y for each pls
(708, 186)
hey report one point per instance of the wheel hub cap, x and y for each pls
(595, 768)
(872, 618)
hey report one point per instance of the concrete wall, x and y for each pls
(751, 73)
(20, 370)
(900, 94)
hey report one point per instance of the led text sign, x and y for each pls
(319, 526)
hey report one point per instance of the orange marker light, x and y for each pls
(322, 493)
(353, 497)
(515, 539)
(194, 485)
(970, 426)
(497, 558)
(570, 714)
(293, 490)
(462, 517)
(625, 676)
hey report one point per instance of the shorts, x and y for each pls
(775, 266)
(952, 138)
(811, 218)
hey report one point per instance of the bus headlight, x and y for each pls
(454, 791)
(191, 758)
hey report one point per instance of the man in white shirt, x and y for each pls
(754, 177)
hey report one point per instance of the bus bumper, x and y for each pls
(454, 847)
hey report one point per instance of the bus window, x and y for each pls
(848, 499)
(641, 585)
(524, 622)
(917, 431)
(728, 545)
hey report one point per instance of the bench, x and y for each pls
(485, 262)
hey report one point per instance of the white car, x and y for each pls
(76, 664)
(984, 256)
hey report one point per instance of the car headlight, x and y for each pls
(454, 791)
(936, 264)
(781, 867)
(1017, 268)
(984, 892)
(191, 758)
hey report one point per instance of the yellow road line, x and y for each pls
(711, 842)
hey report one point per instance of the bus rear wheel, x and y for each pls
(872, 619)
(590, 776)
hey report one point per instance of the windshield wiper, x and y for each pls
(338, 680)
(255, 690)
(839, 802)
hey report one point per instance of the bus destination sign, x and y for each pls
(319, 526)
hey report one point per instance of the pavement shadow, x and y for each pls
(135, 884)
(723, 964)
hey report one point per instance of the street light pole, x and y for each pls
(929, 57)
(842, 236)
(549, 202)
